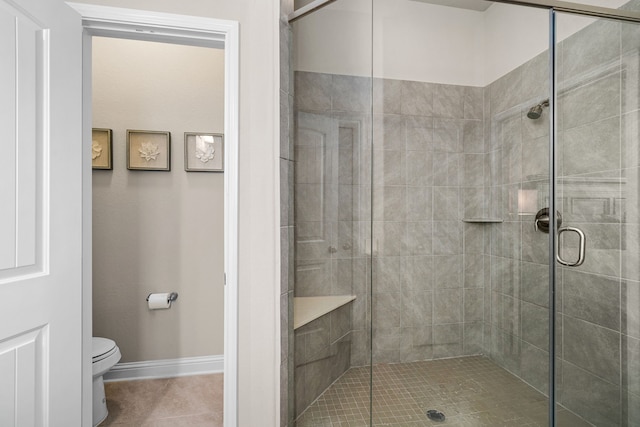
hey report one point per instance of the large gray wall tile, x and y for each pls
(419, 204)
(387, 96)
(474, 269)
(448, 306)
(593, 147)
(418, 273)
(473, 136)
(285, 126)
(630, 409)
(473, 338)
(419, 168)
(389, 132)
(447, 272)
(419, 238)
(416, 308)
(448, 101)
(386, 310)
(474, 103)
(312, 91)
(389, 168)
(631, 364)
(595, 45)
(473, 305)
(535, 283)
(390, 238)
(448, 135)
(419, 133)
(535, 325)
(447, 340)
(535, 367)
(350, 93)
(593, 348)
(594, 399)
(417, 98)
(631, 251)
(447, 237)
(592, 298)
(631, 308)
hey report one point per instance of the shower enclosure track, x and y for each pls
(558, 6)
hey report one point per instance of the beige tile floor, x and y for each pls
(184, 401)
(470, 391)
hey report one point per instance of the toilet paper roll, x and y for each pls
(159, 301)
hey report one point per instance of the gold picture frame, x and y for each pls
(101, 149)
(148, 150)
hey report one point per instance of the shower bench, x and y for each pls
(308, 309)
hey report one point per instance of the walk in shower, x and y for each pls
(432, 141)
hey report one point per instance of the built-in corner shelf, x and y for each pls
(308, 309)
(482, 220)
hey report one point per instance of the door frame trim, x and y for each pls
(178, 29)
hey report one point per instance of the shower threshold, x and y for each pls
(471, 391)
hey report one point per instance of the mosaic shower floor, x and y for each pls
(470, 391)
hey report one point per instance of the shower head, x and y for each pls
(536, 111)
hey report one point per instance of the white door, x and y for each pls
(40, 214)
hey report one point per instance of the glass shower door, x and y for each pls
(332, 197)
(460, 284)
(598, 147)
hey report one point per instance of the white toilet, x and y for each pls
(105, 354)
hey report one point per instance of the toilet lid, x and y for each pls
(102, 346)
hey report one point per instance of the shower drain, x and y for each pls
(435, 415)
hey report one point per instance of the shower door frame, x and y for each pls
(555, 5)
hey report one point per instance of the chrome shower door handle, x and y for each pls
(581, 247)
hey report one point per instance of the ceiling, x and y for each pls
(478, 5)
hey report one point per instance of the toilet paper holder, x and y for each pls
(171, 298)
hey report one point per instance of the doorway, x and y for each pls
(168, 28)
(158, 226)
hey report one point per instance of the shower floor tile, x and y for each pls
(185, 401)
(470, 391)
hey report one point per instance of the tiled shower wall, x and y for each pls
(598, 303)
(287, 222)
(429, 174)
(428, 267)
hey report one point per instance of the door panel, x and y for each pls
(41, 216)
(22, 370)
(8, 133)
(23, 79)
(598, 193)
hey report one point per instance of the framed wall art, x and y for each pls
(148, 150)
(101, 149)
(203, 152)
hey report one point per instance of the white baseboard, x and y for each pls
(167, 368)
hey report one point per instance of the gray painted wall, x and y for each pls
(158, 231)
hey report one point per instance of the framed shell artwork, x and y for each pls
(148, 150)
(203, 152)
(101, 149)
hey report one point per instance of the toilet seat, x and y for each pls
(102, 348)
